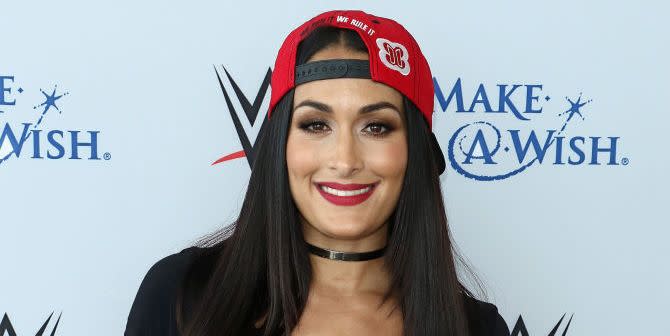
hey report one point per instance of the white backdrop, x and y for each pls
(584, 240)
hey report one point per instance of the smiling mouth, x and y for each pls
(345, 194)
(338, 192)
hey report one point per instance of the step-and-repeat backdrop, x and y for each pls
(552, 118)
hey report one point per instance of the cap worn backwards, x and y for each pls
(395, 59)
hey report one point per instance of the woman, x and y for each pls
(343, 229)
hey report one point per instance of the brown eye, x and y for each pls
(378, 129)
(313, 126)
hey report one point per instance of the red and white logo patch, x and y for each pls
(393, 55)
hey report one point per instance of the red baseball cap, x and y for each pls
(395, 59)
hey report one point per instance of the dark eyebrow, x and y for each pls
(365, 109)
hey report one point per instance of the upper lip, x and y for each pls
(340, 186)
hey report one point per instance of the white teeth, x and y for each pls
(344, 192)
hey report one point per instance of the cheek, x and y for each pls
(301, 158)
(388, 160)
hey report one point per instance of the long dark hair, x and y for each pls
(259, 266)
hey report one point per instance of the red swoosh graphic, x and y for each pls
(231, 156)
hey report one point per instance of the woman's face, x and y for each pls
(348, 133)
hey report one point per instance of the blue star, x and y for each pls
(574, 109)
(575, 106)
(50, 100)
(547, 98)
(20, 90)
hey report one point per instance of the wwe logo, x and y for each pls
(251, 112)
(520, 327)
(7, 328)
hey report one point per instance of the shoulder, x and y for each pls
(484, 318)
(153, 311)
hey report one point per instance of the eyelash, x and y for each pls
(305, 126)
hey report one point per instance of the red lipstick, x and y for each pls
(345, 200)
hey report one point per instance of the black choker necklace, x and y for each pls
(345, 256)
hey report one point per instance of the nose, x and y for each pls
(345, 159)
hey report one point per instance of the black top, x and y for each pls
(153, 311)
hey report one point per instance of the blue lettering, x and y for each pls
(530, 98)
(52, 140)
(503, 99)
(36, 144)
(577, 150)
(480, 98)
(595, 150)
(559, 150)
(486, 153)
(17, 145)
(532, 139)
(505, 102)
(456, 90)
(55, 138)
(93, 145)
(4, 89)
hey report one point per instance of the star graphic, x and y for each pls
(574, 109)
(50, 100)
(575, 106)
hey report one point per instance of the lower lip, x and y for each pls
(346, 200)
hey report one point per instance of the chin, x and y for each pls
(346, 231)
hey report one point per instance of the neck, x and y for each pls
(348, 277)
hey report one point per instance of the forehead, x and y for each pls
(347, 92)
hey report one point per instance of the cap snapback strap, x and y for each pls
(328, 69)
